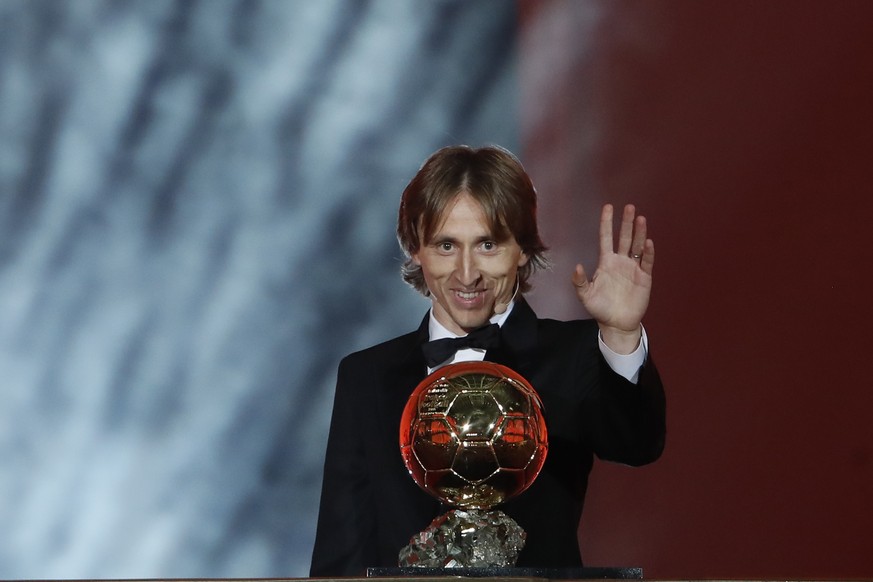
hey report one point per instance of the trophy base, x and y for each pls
(593, 573)
(465, 538)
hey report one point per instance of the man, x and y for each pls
(467, 224)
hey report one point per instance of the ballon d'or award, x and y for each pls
(472, 435)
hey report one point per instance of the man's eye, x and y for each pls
(445, 246)
(489, 245)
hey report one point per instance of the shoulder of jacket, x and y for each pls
(389, 348)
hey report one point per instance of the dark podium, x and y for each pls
(416, 573)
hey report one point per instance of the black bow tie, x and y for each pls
(484, 338)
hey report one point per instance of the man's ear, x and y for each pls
(523, 259)
(415, 259)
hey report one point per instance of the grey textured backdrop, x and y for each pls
(197, 203)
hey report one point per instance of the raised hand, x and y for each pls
(617, 296)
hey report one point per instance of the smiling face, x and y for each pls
(467, 270)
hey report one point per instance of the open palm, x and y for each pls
(617, 296)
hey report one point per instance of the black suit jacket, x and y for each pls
(371, 507)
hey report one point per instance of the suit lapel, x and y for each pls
(518, 339)
(400, 380)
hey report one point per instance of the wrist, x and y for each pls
(621, 341)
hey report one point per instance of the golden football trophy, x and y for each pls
(473, 436)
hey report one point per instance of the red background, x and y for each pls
(742, 130)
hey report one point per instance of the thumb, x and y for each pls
(579, 278)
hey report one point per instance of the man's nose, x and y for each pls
(468, 269)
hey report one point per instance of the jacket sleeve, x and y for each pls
(626, 422)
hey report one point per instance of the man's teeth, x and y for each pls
(467, 296)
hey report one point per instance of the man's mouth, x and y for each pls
(468, 295)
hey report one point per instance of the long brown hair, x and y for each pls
(493, 177)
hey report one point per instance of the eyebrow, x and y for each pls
(446, 238)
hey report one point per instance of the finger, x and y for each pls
(625, 235)
(606, 230)
(639, 240)
(648, 260)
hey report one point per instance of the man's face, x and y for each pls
(466, 270)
